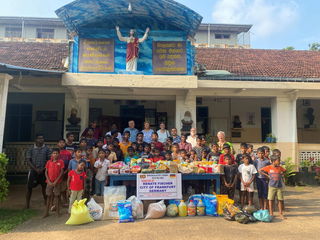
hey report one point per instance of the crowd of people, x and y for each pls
(75, 170)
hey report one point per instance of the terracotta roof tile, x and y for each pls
(45, 56)
(261, 62)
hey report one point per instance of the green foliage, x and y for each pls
(209, 139)
(4, 184)
(10, 218)
(314, 46)
(305, 163)
(290, 169)
(289, 48)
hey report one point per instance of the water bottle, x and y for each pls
(200, 208)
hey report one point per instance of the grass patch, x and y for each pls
(10, 218)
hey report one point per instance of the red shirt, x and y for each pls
(222, 162)
(54, 169)
(158, 145)
(156, 159)
(77, 180)
(65, 156)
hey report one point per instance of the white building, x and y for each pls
(270, 90)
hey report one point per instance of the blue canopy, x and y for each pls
(156, 14)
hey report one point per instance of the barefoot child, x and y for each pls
(229, 178)
(76, 182)
(274, 172)
(247, 175)
(53, 173)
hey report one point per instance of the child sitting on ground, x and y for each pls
(229, 178)
(274, 172)
(247, 175)
(214, 155)
(102, 164)
(54, 171)
(76, 182)
(261, 180)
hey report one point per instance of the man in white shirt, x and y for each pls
(192, 138)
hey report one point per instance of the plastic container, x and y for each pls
(191, 209)
(200, 208)
(183, 212)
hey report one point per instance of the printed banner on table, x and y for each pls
(169, 57)
(96, 55)
(159, 186)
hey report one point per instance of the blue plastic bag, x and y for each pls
(262, 215)
(125, 211)
(195, 198)
(210, 201)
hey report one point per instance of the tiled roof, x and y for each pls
(262, 63)
(44, 56)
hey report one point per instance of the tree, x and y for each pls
(314, 46)
(4, 184)
(289, 48)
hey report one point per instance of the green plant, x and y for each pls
(290, 169)
(209, 139)
(305, 163)
(317, 163)
(4, 184)
(10, 218)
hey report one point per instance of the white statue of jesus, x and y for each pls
(132, 47)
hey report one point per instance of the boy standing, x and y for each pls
(76, 181)
(230, 177)
(261, 180)
(247, 175)
(226, 150)
(274, 172)
(102, 164)
(54, 172)
(214, 155)
(243, 150)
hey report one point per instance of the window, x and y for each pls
(45, 33)
(13, 32)
(222, 36)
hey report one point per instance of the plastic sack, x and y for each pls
(112, 195)
(227, 215)
(262, 215)
(79, 213)
(172, 210)
(230, 211)
(249, 209)
(95, 210)
(242, 218)
(210, 202)
(222, 201)
(195, 198)
(125, 211)
(156, 210)
(137, 207)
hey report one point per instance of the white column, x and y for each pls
(186, 102)
(284, 124)
(84, 112)
(4, 86)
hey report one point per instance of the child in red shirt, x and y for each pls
(156, 155)
(54, 171)
(226, 151)
(76, 181)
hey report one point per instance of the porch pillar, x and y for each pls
(84, 112)
(284, 125)
(4, 86)
(184, 103)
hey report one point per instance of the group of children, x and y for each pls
(246, 169)
(80, 170)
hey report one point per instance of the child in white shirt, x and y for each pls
(247, 175)
(102, 164)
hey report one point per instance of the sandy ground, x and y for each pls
(303, 219)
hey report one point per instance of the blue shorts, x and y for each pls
(262, 186)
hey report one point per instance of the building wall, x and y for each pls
(202, 37)
(223, 110)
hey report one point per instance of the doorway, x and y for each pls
(266, 127)
(132, 112)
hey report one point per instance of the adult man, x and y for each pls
(175, 137)
(114, 128)
(192, 139)
(37, 157)
(133, 131)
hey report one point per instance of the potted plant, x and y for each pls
(317, 167)
(290, 172)
(271, 138)
(305, 165)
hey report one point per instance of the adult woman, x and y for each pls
(222, 140)
(97, 133)
(147, 132)
(163, 133)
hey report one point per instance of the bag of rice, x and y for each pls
(112, 195)
(156, 210)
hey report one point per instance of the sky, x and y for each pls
(276, 23)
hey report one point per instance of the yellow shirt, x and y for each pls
(124, 147)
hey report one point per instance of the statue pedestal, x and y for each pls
(130, 72)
